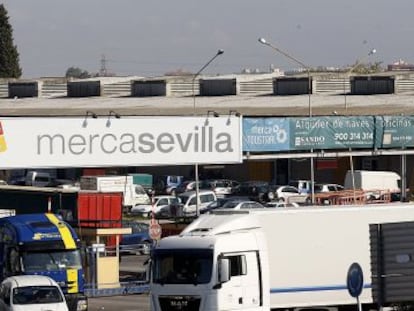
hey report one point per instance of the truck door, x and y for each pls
(243, 290)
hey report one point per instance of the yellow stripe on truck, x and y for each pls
(64, 231)
(72, 275)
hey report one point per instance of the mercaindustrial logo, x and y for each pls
(203, 139)
(3, 145)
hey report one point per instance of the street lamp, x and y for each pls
(347, 76)
(263, 41)
(348, 73)
(219, 52)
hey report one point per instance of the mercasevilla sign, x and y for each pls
(128, 141)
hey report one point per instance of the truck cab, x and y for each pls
(209, 267)
(42, 244)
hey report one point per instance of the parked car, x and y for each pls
(168, 184)
(290, 194)
(31, 293)
(328, 188)
(241, 204)
(223, 186)
(160, 202)
(303, 185)
(139, 241)
(216, 204)
(190, 185)
(281, 204)
(260, 191)
(188, 205)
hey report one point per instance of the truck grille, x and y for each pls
(179, 303)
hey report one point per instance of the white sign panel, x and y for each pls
(128, 141)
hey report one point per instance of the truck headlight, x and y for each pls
(82, 305)
(271, 195)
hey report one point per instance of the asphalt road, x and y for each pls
(131, 266)
(120, 303)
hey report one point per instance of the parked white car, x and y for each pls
(241, 204)
(188, 205)
(160, 202)
(31, 293)
(290, 194)
(328, 188)
(224, 187)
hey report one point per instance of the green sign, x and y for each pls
(332, 132)
(394, 131)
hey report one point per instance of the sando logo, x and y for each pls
(3, 145)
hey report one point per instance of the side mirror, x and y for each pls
(224, 270)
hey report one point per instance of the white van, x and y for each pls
(373, 180)
(188, 206)
(374, 183)
(31, 293)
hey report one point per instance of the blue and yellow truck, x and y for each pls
(43, 244)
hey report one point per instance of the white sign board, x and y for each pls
(128, 141)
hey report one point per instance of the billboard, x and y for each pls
(128, 141)
(320, 133)
(394, 131)
(332, 133)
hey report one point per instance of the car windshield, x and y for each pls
(182, 266)
(36, 295)
(52, 261)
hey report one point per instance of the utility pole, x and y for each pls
(103, 72)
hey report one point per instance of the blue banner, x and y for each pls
(265, 134)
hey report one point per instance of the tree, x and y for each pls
(9, 56)
(75, 72)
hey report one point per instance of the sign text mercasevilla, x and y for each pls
(200, 140)
(78, 142)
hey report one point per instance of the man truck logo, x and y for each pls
(3, 146)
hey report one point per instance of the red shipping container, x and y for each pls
(100, 210)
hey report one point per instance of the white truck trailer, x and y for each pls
(132, 194)
(268, 259)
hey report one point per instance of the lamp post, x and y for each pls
(347, 76)
(219, 52)
(348, 73)
(264, 42)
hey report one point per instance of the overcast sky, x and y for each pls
(150, 38)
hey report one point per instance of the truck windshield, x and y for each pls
(182, 266)
(51, 261)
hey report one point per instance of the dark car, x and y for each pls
(216, 204)
(190, 185)
(139, 241)
(261, 191)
